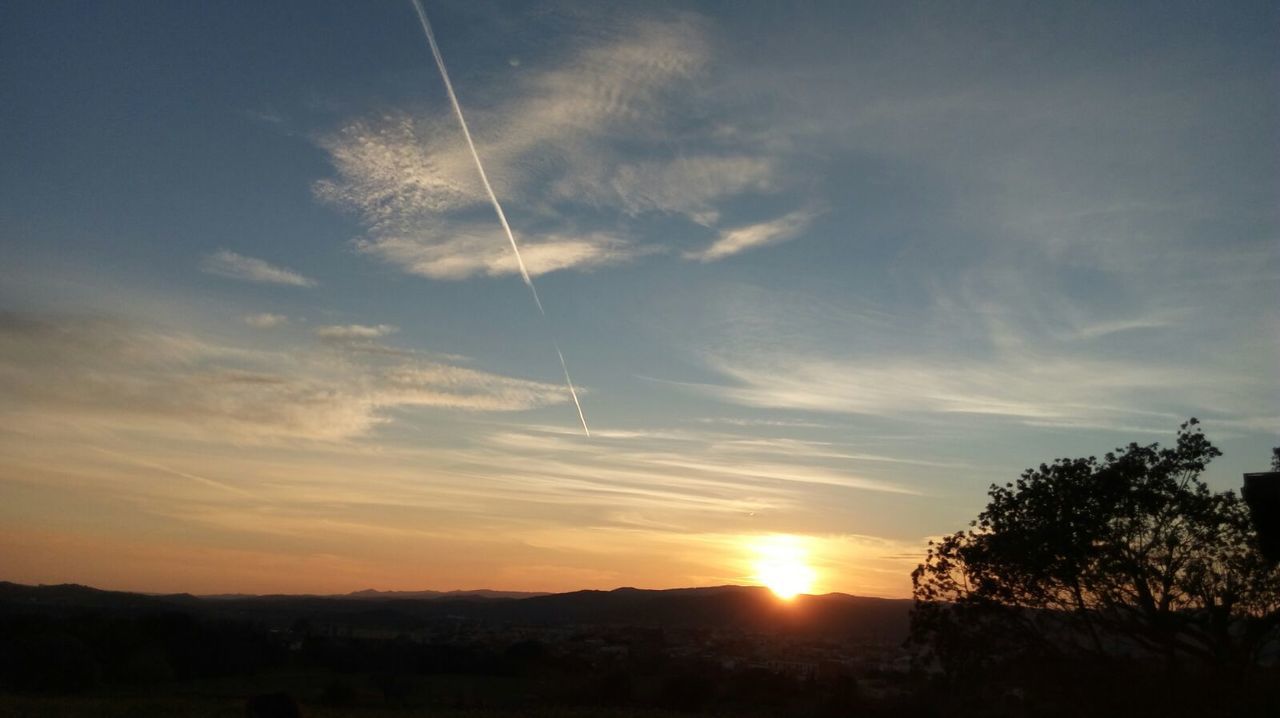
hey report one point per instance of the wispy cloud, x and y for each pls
(443, 385)
(225, 263)
(1106, 328)
(127, 374)
(1024, 385)
(561, 143)
(740, 239)
(343, 332)
(689, 462)
(398, 170)
(686, 185)
(265, 320)
(771, 423)
(472, 249)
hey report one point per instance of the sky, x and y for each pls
(820, 272)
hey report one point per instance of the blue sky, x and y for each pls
(824, 271)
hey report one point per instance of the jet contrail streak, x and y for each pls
(569, 381)
(169, 470)
(493, 198)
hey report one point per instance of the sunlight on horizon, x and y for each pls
(782, 566)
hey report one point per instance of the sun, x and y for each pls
(781, 565)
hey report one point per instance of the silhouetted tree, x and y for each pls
(1128, 555)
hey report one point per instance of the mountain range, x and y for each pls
(744, 608)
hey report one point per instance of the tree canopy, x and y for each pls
(1128, 555)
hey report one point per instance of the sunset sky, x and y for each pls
(820, 272)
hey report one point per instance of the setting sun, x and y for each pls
(781, 565)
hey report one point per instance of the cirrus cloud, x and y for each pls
(265, 320)
(587, 138)
(740, 239)
(225, 263)
(478, 249)
(124, 374)
(344, 332)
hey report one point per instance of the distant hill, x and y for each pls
(75, 596)
(370, 593)
(745, 608)
(477, 593)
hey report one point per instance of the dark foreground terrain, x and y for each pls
(72, 650)
(77, 651)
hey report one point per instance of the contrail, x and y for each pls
(169, 470)
(493, 199)
(569, 382)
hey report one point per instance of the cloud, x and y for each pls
(224, 263)
(772, 423)
(685, 185)
(265, 320)
(902, 384)
(1105, 328)
(683, 471)
(563, 142)
(740, 239)
(1031, 387)
(443, 385)
(344, 332)
(398, 170)
(124, 374)
(788, 473)
(479, 249)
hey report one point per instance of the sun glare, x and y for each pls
(781, 565)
